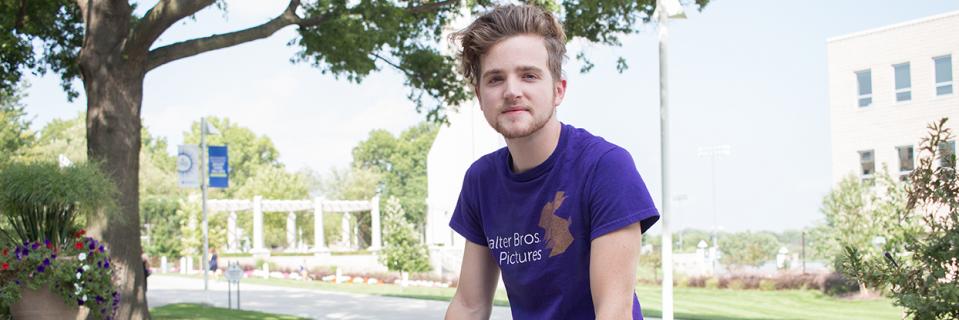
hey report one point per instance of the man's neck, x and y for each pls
(532, 150)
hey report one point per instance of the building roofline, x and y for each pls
(894, 26)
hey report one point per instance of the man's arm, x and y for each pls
(477, 284)
(612, 272)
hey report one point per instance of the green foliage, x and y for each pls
(748, 248)
(868, 215)
(654, 259)
(162, 226)
(53, 28)
(66, 137)
(249, 153)
(255, 170)
(15, 131)
(272, 182)
(921, 267)
(402, 250)
(41, 201)
(688, 239)
(402, 163)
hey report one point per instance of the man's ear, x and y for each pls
(559, 90)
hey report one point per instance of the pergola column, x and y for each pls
(231, 235)
(258, 248)
(345, 229)
(319, 243)
(291, 231)
(375, 238)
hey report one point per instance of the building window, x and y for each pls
(947, 153)
(864, 78)
(907, 161)
(868, 163)
(903, 82)
(943, 75)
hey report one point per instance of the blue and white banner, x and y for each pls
(219, 167)
(188, 166)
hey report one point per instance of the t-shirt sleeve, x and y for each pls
(466, 219)
(618, 196)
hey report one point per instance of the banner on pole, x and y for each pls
(219, 167)
(188, 166)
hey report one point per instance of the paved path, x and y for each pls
(308, 303)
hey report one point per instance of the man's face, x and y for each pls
(516, 91)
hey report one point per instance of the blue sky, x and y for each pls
(750, 74)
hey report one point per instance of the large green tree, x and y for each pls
(248, 153)
(402, 163)
(747, 248)
(919, 265)
(15, 133)
(111, 49)
(353, 183)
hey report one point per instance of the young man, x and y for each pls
(559, 211)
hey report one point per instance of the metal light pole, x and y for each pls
(203, 186)
(712, 153)
(666, 9)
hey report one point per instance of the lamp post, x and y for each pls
(712, 153)
(204, 184)
(665, 10)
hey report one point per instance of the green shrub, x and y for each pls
(42, 202)
(711, 283)
(767, 285)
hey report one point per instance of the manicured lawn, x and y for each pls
(699, 303)
(690, 303)
(201, 312)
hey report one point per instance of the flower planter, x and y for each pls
(43, 304)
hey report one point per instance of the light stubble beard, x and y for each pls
(532, 128)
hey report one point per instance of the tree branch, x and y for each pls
(179, 50)
(159, 18)
(392, 64)
(431, 6)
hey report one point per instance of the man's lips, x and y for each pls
(514, 110)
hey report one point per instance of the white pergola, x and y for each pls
(318, 205)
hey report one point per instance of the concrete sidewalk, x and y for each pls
(308, 303)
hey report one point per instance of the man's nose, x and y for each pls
(512, 89)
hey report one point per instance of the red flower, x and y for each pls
(5, 251)
(78, 245)
(6, 266)
(79, 234)
(49, 245)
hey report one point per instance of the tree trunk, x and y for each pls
(112, 76)
(114, 89)
(113, 138)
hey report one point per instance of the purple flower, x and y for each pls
(41, 268)
(46, 262)
(93, 245)
(106, 265)
(79, 302)
(53, 256)
(99, 301)
(35, 245)
(101, 248)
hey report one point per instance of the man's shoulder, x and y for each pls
(486, 164)
(589, 148)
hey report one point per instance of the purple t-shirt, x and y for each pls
(539, 224)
